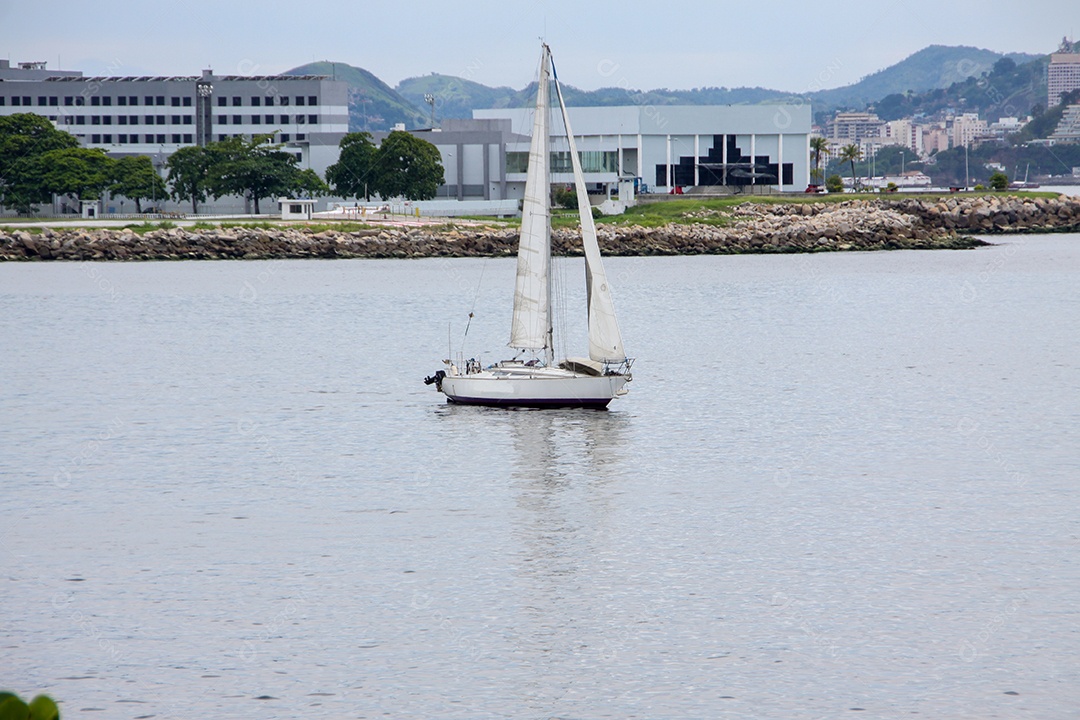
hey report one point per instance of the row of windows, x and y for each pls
(122, 139)
(95, 100)
(174, 138)
(267, 119)
(591, 161)
(125, 120)
(268, 100)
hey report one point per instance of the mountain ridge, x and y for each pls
(374, 105)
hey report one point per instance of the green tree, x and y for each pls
(818, 145)
(82, 172)
(353, 175)
(24, 138)
(851, 153)
(188, 168)
(135, 177)
(257, 168)
(999, 181)
(41, 707)
(409, 167)
(834, 184)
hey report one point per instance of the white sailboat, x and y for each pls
(538, 380)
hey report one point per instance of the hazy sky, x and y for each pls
(793, 46)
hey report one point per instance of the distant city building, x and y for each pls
(158, 115)
(1068, 129)
(904, 132)
(1063, 74)
(935, 139)
(853, 126)
(966, 128)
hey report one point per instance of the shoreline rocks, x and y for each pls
(752, 227)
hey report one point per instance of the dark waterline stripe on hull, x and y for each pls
(539, 404)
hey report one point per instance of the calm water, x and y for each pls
(839, 481)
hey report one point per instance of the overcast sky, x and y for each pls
(793, 46)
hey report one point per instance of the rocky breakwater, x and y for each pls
(987, 214)
(751, 227)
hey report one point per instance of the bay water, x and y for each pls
(841, 484)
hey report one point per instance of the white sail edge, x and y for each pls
(605, 338)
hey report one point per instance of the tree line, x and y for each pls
(38, 162)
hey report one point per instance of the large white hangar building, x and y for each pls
(725, 146)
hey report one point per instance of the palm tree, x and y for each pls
(851, 153)
(818, 145)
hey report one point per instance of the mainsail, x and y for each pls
(605, 339)
(531, 327)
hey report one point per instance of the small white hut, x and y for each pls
(294, 209)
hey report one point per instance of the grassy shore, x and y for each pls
(682, 211)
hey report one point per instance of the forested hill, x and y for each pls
(374, 105)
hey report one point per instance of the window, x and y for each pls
(53, 101)
(313, 119)
(175, 119)
(121, 119)
(122, 100)
(312, 100)
(16, 100)
(107, 100)
(187, 138)
(300, 136)
(68, 100)
(255, 119)
(187, 119)
(80, 100)
(222, 119)
(284, 120)
(236, 120)
(160, 119)
(41, 100)
(284, 137)
(106, 119)
(80, 119)
(95, 119)
(148, 100)
(283, 100)
(299, 119)
(95, 139)
(176, 138)
(160, 99)
(221, 102)
(95, 100)
(148, 138)
(268, 119)
(3, 100)
(148, 120)
(175, 101)
(161, 138)
(299, 99)
(236, 101)
(107, 138)
(133, 100)
(268, 101)
(121, 138)
(187, 102)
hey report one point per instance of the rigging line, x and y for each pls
(476, 297)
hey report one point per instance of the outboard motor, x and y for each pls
(436, 379)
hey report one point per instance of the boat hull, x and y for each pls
(577, 391)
